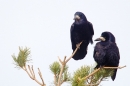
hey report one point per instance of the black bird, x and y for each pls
(81, 31)
(106, 52)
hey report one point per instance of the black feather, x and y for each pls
(108, 36)
(106, 53)
(81, 30)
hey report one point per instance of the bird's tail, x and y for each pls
(114, 75)
(91, 41)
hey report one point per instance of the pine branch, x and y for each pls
(21, 61)
(114, 67)
(40, 74)
(55, 80)
(80, 72)
(96, 83)
(95, 71)
(64, 63)
(89, 74)
(31, 74)
(83, 77)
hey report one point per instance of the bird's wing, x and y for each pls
(72, 37)
(113, 52)
(114, 57)
(91, 27)
(76, 32)
(91, 31)
(99, 53)
(99, 50)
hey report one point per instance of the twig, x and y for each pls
(25, 69)
(91, 85)
(73, 53)
(40, 74)
(91, 79)
(63, 81)
(96, 83)
(32, 75)
(102, 77)
(33, 72)
(100, 81)
(99, 69)
(90, 74)
(55, 80)
(61, 71)
(114, 67)
(64, 63)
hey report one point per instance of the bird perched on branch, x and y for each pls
(106, 52)
(81, 31)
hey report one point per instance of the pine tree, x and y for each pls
(83, 76)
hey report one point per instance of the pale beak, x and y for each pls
(76, 17)
(100, 39)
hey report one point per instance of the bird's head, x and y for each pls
(79, 16)
(106, 36)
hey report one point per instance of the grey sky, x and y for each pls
(44, 27)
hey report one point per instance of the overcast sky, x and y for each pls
(44, 27)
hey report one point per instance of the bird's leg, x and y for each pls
(78, 45)
(99, 66)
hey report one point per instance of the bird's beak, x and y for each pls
(100, 39)
(76, 17)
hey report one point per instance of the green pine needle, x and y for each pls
(102, 74)
(55, 68)
(80, 73)
(22, 57)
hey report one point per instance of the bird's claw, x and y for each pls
(78, 45)
(99, 66)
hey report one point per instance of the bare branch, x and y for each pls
(96, 83)
(55, 80)
(60, 60)
(64, 60)
(99, 69)
(62, 81)
(90, 74)
(61, 71)
(114, 67)
(100, 81)
(25, 69)
(40, 74)
(64, 63)
(32, 75)
(73, 53)
(31, 72)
